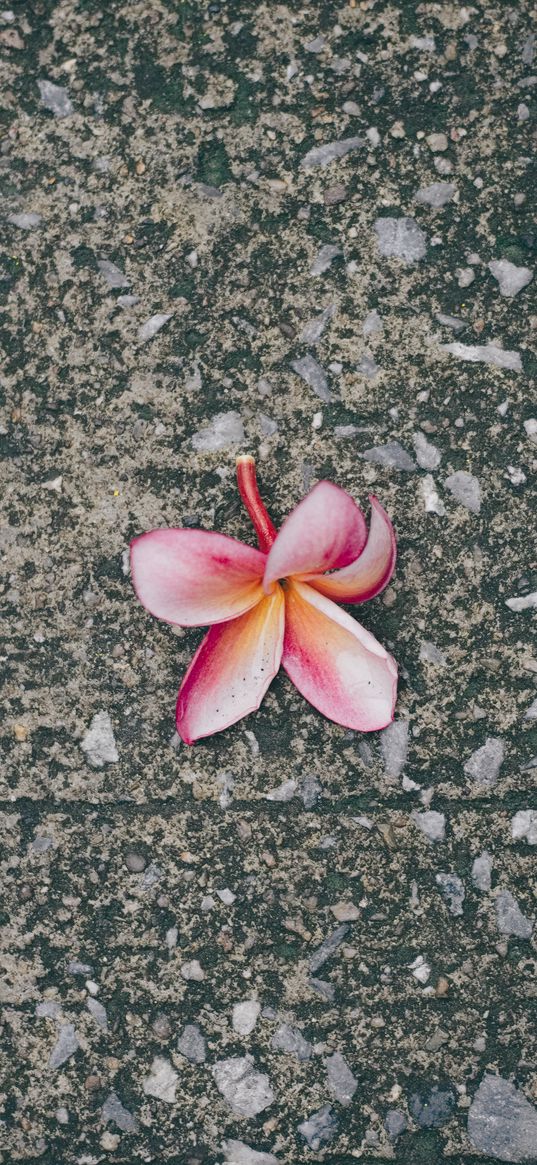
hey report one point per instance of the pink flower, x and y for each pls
(274, 606)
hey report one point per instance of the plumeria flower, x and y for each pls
(275, 606)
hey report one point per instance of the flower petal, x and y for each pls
(195, 577)
(335, 663)
(324, 531)
(371, 572)
(232, 670)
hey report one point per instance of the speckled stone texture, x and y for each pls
(304, 232)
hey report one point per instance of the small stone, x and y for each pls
(114, 1111)
(237, 1153)
(437, 142)
(430, 653)
(324, 258)
(341, 1081)
(420, 969)
(437, 194)
(99, 743)
(284, 792)
(531, 712)
(331, 152)
(524, 825)
(345, 912)
(48, 1009)
(126, 301)
(328, 947)
(193, 971)
(246, 1090)
(530, 427)
(25, 222)
(501, 1122)
(368, 367)
(162, 1080)
(191, 1044)
(465, 276)
(431, 498)
(394, 747)
(427, 455)
(351, 108)
(452, 322)
(483, 766)
(110, 1142)
(511, 279)
(320, 1128)
(482, 872)
(391, 456)
(465, 489)
(432, 1109)
(453, 891)
(334, 195)
(62, 1115)
(289, 1039)
(312, 332)
(437, 1040)
(309, 790)
(98, 1012)
(522, 602)
(55, 98)
(509, 917)
(312, 373)
(112, 274)
(372, 325)
(395, 1123)
(225, 430)
(75, 967)
(324, 989)
(400, 238)
(431, 823)
(65, 1047)
(135, 862)
(485, 354)
(315, 46)
(245, 1016)
(152, 326)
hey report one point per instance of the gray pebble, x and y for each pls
(135, 862)
(312, 373)
(524, 826)
(25, 222)
(55, 98)
(341, 1081)
(320, 1128)
(432, 1109)
(113, 276)
(225, 430)
(437, 194)
(114, 1111)
(394, 747)
(395, 1123)
(511, 279)
(465, 489)
(483, 766)
(65, 1047)
(400, 238)
(501, 1122)
(372, 325)
(391, 456)
(482, 872)
(237, 1153)
(453, 891)
(485, 354)
(331, 152)
(368, 367)
(431, 823)
(99, 742)
(509, 917)
(152, 326)
(162, 1080)
(328, 947)
(98, 1012)
(427, 455)
(289, 1039)
(191, 1044)
(246, 1090)
(324, 258)
(312, 331)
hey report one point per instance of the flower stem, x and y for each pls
(249, 491)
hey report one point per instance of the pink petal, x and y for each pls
(232, 670)
(371, 572)
(335, 663)
(324, 531)
(195, 577)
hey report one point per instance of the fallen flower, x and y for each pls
(274, 606)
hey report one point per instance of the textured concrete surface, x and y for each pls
(314, 224)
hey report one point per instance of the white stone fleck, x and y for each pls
(345, 911)
(112, 274)
(284, 792)
(392, 456)
(98, 1011)
(372, 325)
(522, 602)
(501, 1122)
(65, 1047)
(191, 1044)
(162, 1080)
(465, 489)
(531, 429)
(25, 222)
(55, 98)
(482, 871)
(223, 431)
(400, 238)
(246, 1090)
(99, 742)
(431, 823)
(313, 330)
(313, 375)
(238, 1153)
(511, 279)
(485, 354)
(531, 712)
(420, 969)
(289, 1039)
(430, 495)
(430, 653)
(114, 1111)
(367, 366)
(394, 747)
(452, 888)
(320, 1128)
(427, 454)
(465, 276)
(152, 326)
(330, 152)
(524, 825)
(245, 1016)
(509, 917)
(483, 766)
(437, 194)
(193, 970)
(324, 257)
(226, 896)
(341, 1081)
